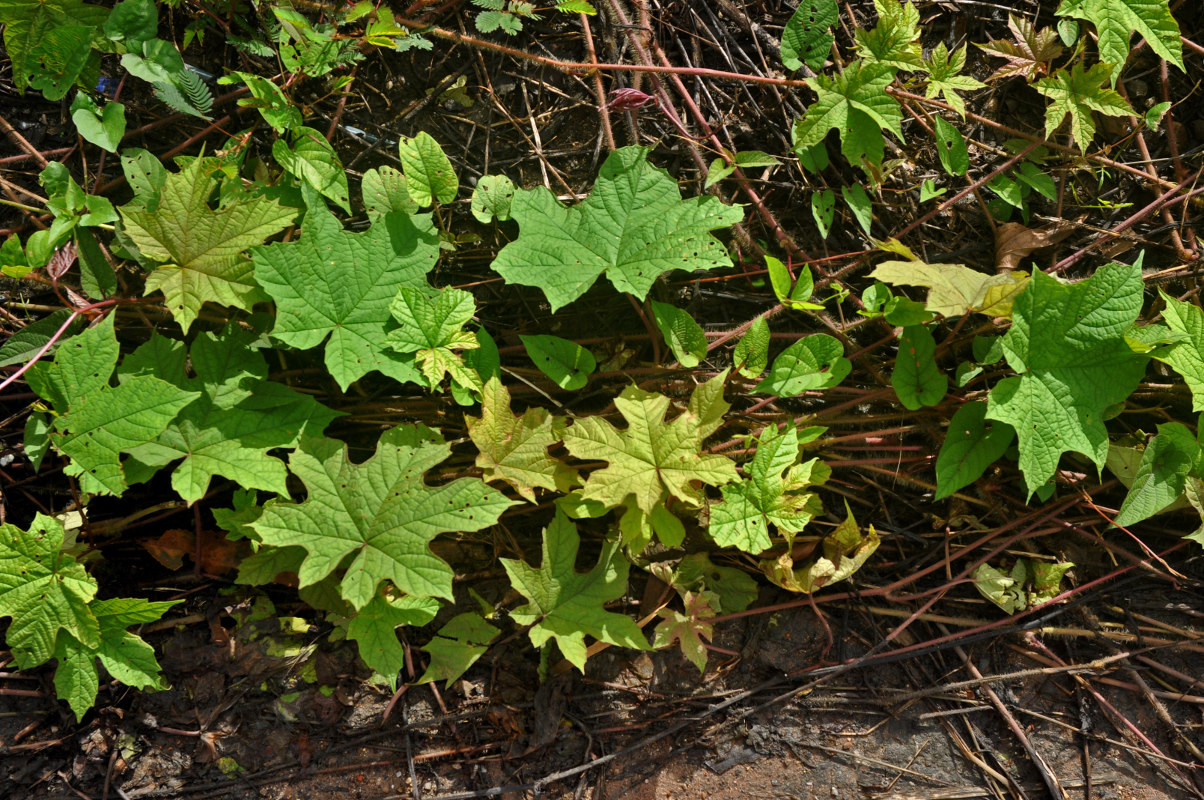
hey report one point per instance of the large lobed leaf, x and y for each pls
(381, 512)
(854, 102)
(202, 249)
(775, 492)
(567, 605)
(633, 227)
(239, 416)
(96, 422)
(651, 457)
(1116, 20)
(44, 590)
(1077, 94)
(335, 286)
(1068, 344)
(515, 449)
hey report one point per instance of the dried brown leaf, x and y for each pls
(1014, 241)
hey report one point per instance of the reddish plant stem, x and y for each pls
(1167, 198)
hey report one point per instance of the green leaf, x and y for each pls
(1186, 358)
(1068, 344)
(100, 426)
(842, 553)
(1161, 476)
(277, 110)
(567, 605)
(81, 367)
(651, 458)
(1031, 52)
(916, 379)
(951, 148)
(775, 492)
(576, 7)
(515, 449)
(384, 189)
(807, 37)
(684, 336)
(860, 204)
(432, 329)
(953, 289)
(717, 171)
(1076, 94)
(688, 629)
(456, 647)
(201, 249)
(945, 77)
(374, 629)
(730, 589)
(146, 175)
(381, 512)
(35, 29)
(238, 418)
(1116, 20)
(103, 128)
(96, 422)
(969, 448)
(633, 227)
(124, 655)
(44, 591)
(567, 363)
(428, 170)
(23, 345)
(823, 210)
(813, 362)
(928, 191)
(895, 41)
(492, 197)
(132, 22)
(334, 286)
(854, 102)
(751, 355)
(313, 161)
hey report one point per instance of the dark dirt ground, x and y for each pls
(874, 696)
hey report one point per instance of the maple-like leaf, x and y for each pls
(944, 77)
(775, 492)
(381, 512)
(854, 102)
(515, 449)
(126, 656)
(202, 249)
(374, 629)
(1077, 94)
(650, 457)
(44, 590)
(432, 329)
(335, 286)
(567, 605)
(688, 628)
(1117, 20)
(96, 422)
(1029, 55)
(895, 40)
(240, 415)
(1068, 344)
(633, 227)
